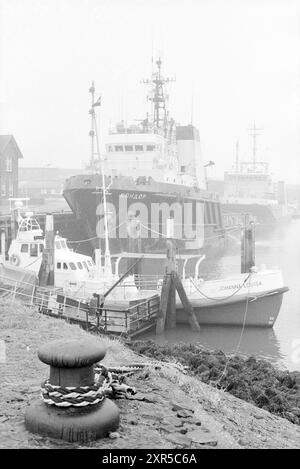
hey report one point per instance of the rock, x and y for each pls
(178, 406)
(183, 414)
(114, 435)
(167, 428)
(202, 438)
(133, 422)
(178, 439)
(258, 416)
(173, 421)
(151, 398)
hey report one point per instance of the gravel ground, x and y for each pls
(170, 409)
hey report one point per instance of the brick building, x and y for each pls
(9, 163)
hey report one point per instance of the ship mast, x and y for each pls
(94, 134)
(92, 131)
(158, 97)
(254, 132)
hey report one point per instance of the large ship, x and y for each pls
(154, 181)
(249, 189)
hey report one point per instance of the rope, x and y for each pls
(72, 396)
(109, 381)
(187, 239)
(219, 298)
(35, 260)
(239, 341)
(96, 237)
(106, 383)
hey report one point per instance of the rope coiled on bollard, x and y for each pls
(109, 381)
(106, 383)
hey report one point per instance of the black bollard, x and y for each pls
(74, 406)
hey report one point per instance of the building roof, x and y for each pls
(5, 140)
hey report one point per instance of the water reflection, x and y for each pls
(277, 247)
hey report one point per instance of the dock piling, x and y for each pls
(166, 317)
(247, 245)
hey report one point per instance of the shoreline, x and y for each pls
(171, 409)
(254, 380)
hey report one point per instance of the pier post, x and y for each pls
(46, 273)
(247, 245)
(167, 312)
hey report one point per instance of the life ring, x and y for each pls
(14, 260)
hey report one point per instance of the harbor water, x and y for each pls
(279, 247)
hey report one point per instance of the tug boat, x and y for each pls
(153, 170)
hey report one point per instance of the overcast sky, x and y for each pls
(236, 60)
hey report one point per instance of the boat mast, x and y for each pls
(254, 132)
(94, 133)
(158, 97)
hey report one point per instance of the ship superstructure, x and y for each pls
(249, 188)
(153, 171)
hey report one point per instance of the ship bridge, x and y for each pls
(141, 153)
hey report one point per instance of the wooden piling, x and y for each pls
(186, 304)
(167, 311)
(46, 273)
(247, 246)
(164, 299)
(171, 309)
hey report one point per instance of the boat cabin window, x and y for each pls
(138, 147)
(24, 248)
(63, 245)
(57, 245)
(79, 265)
(41, 247)
(58, 265)
(72, 265)
(85, 265)
(150, 147)
(119, 148)
(65, 267)
(33, 250)
(110, 148)
(128, 147)
(90, 263)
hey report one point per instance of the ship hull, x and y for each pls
(197, 217)
(263, 215)
(258, 311)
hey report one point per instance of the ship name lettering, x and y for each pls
(129, 195)
(240, 285)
